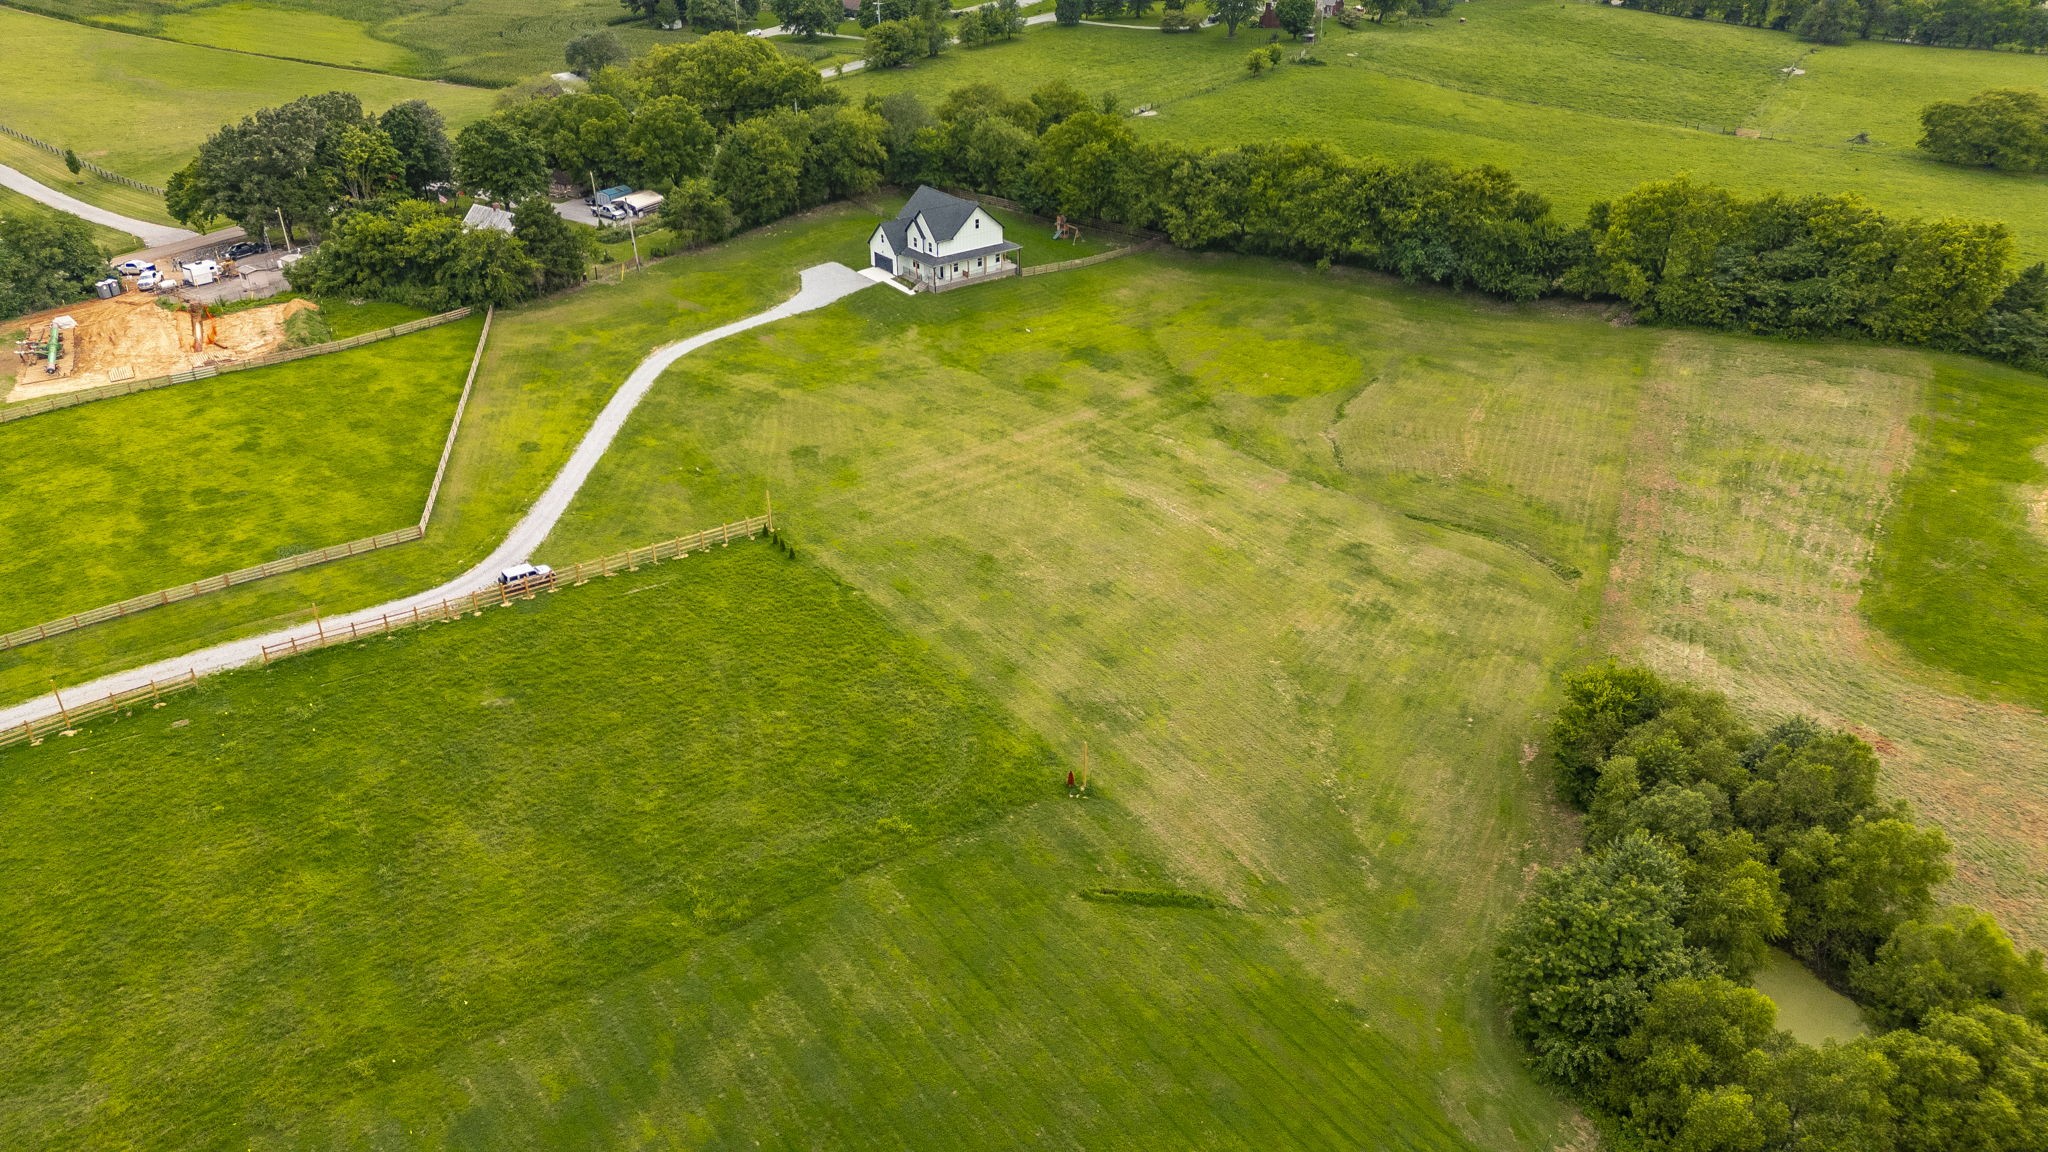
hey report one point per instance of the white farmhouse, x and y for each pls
(939, 241)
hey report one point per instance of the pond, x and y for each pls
(1810, 1010)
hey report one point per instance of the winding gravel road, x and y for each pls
(822, 285)
(151, 235)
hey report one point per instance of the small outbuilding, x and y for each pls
(939, 241)
(486, 216)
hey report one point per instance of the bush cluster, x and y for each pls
(1707, 843)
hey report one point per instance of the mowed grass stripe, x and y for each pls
(824, 1019)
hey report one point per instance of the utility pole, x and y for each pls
(634, 237)
(287, 231)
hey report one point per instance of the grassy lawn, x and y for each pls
(1961, 578)
(1581, 101)
(114, 242)
(550, 366)
(560, 796)
(153, 101)
(121, 497)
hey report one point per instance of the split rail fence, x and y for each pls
(69, 715)
(89, 166)
(159, 599)
(129, 387)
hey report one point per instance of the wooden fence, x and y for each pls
(70, 714)
(129, 387)
(455, 425)
(89, 166)
(501, 595)
(144, 603)
(1084, 261)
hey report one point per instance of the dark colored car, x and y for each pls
(244, 250)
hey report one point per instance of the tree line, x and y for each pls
(1707, 842)
(2011, 24)
(1676, 251)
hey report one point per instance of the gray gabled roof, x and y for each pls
(943, 214)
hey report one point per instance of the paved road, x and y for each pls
(822, 285)
(151, 234)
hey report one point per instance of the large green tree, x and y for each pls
(808, 18)
(2005, 128)
(497, 159)
(759, 170)
(730, 77)
(287, 162)
(1234, 12)
(417, 131)
(669, 141)
(1582, 955)
(46, 259)
(561, 250)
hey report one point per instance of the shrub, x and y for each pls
(2005, 128)
(1177, 20)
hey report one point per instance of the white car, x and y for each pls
(151, 280)
(521, 575)
(134, 267)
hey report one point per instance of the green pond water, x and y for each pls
(1810, 1010)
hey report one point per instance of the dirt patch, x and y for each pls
(131, 338)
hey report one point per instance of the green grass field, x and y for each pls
(1581, 101)
(1961, 578)
(562, 795)
(121, 497)
(13, 203)
(151, 101)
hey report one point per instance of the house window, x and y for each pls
(977, 261)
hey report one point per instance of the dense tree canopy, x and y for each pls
(729, 77)
(298, 161)
(420, 137)
(497, 159)
(1709, 842)
(2018, 24)
(46, 259)
(412, 252)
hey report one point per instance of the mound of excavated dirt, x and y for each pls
(130, 338)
